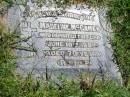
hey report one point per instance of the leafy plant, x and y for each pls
(12, 85)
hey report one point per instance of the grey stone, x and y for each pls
(66, 41)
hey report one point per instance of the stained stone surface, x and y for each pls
(65, 41)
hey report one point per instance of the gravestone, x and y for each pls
(66, 41)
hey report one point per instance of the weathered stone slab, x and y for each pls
(69, 41)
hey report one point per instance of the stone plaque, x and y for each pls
(69, 41)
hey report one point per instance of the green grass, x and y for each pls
(12, 85)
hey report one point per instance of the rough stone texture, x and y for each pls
(65, 41)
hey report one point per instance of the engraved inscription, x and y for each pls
(61, 13)
(72, 53)
(71, 44)
(73, 63)
(66, 38)
(68, 27)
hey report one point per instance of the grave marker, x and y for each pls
(69, 41)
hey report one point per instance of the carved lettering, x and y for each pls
(72, 53)
(61, 13)
(68, 36)
(70, 62)
(68, 27)
(71, 44)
